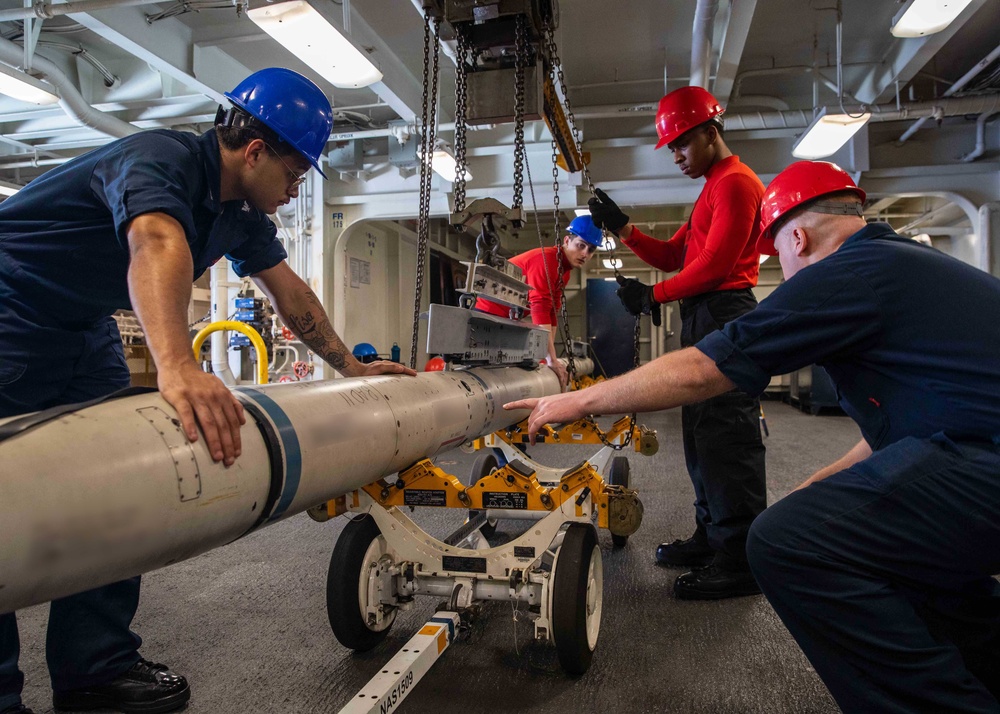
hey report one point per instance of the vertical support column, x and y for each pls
(989, 237)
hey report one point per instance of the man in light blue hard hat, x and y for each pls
(542, 268)
(131, 225)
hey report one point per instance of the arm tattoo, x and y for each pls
(314, 328)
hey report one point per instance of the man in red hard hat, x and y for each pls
(881, 563)
(131, 225)
(716, 255)
(542, 268)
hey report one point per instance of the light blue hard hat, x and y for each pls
(583, 227)
(290, 105)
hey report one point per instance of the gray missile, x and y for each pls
(115, 490)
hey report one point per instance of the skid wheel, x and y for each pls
(485, 464)
(577, 598)
(618, 475)
(356, 558)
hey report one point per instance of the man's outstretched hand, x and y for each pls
(556, 409)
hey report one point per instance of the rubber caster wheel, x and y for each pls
(577, 598)
(618, 475)
(359, 554)
(485, 464)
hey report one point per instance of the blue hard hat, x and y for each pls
(583, 227)
(365, 352)
(290, 105)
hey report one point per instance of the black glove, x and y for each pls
(638, 298)
(606, 213)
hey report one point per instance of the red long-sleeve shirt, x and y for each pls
(542, 303)
(717, 248)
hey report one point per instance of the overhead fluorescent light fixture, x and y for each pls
(20, 85)
(925, 17)
(582, 211)
(444, 164)
(827, 134)
(310, 37)
(611, 264)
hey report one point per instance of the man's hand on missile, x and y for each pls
(384, 367)
(202, 400)
(637, 297)
(556, 409)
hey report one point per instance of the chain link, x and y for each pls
(520, 60)
(428, 128)
(557, 232)
(556, 73)
(552, 51)
(461, 113)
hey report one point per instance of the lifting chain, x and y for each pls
(556, 74)
(428, 128)
(463, 60)
(520, 60)
(556, 71)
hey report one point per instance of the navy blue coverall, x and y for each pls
(882, 572)
(64, 260)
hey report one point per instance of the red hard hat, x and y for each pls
(684, 109)
(800, 183)
(434, 364)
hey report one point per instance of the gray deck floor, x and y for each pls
(247, 623)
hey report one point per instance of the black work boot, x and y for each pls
(716, 582)
(147, 687)
(691, 553)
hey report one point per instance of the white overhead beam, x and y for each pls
(906, 57)
(882, 204)
(167, 46)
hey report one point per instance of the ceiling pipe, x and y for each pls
(980, 138)
(801, 118)
(734, 121)
(758, 100)
(701, 42)
(771, 71)
(33, 163)
(70, 98)
(46, 11)
(965, 79)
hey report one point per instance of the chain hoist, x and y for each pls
(462, 62)
(556, 75)
(428, 127)
(520, 60)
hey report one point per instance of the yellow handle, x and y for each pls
(255, 339)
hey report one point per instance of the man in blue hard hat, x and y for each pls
(131, 225)
(542, 269)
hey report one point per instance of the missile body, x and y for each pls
(115, 490)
